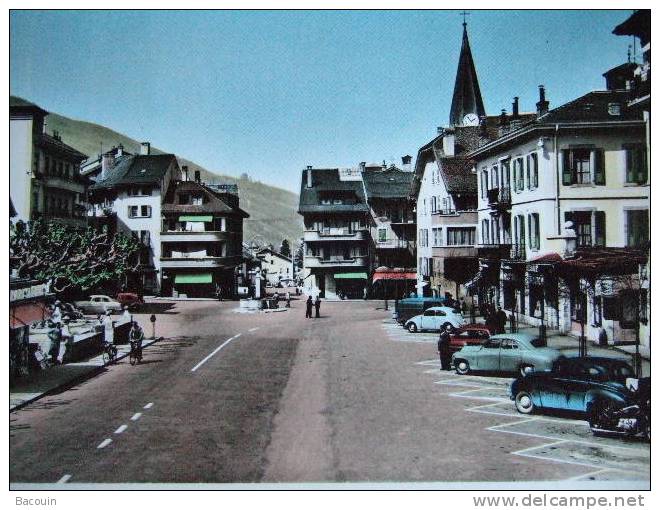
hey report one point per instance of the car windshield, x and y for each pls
(537, 342)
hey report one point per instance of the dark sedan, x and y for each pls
(583, 385)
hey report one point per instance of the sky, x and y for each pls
(268, 92)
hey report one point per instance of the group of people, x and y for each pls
(496, 319)
(308, 307)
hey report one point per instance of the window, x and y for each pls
(484, 183)
(519, 230)
(460, 236)
(518, 176)
(636, 164)
(492, 343)
(534, 236)
(197, 200)
(434, 204)
(532, 171)
(504, 167)
(145, 237)
(437, 237)
(382, 235)
(494, 180)
(145, 211)
(589, 227)
(637, 228)
(583, 166)
(425, 236)
(578, 306)
(135, 211)
(485, 232)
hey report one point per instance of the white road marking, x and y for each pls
(468, 394)
(136, 416)
(121, 429)
(253, 329)
(591, 473)
(214, 352)
(104, 443)
(64, 479)
(149, 405)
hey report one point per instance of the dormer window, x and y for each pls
(196, 200)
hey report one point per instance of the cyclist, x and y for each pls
(135, 337)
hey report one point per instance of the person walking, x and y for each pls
(135, 338)
(317, 306)
(288, 299)
(443, 349)
(55, 338)
(308, 307)
(500, 321)
(108, 328)
(512, 320)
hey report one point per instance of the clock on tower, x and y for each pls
(471, 119)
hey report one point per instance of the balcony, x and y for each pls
(63, 183)
(198, 262)
(335, 234)
(499, 198)
(444, 212)
(392, 244)
(335, 261)
(518, 252)
(494, 251)
(183, 236)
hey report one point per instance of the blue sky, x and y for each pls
(269, 92)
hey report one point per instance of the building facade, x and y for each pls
(276, 268)
(44, 172)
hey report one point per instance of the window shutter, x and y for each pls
(535, 173)
(641, 165)
(529, 170)
(567, 174)
(537, 239)
(599, 228)
(630, 164)
(529, 230)
(599, 174)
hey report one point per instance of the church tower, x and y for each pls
(466, 105)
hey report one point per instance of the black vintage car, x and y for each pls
(599, 387)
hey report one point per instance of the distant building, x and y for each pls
(276, 267)
(44, 172)
(201, 238)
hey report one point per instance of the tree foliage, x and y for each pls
(285, 249)
(72, 258)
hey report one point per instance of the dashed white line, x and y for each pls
(136, 416)
(253, 329)
(214, 352)
(149, 405)
(64, 479)
(104, 443)
(121, 429)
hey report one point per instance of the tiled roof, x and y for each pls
(390, 183)
(141, 169)
(593, 107)
(214, 204)
(51, 143)
(327, 180)
(457, 175)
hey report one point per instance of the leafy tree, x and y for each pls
(300, 254)
(285, 249)
(72, 258)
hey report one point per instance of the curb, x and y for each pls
(76, 380)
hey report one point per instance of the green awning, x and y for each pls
(205, 219)
(194, 278)
(350, 276)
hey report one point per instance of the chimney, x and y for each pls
(503, 126)
(406, 162)
(145, 149)
(107, 162)
(120, 151)
(542, 106)
(308, 172)
(363, 165)
(184, 172)
(514, 108)
(198, 178)
(448, 142)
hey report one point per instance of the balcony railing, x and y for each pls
(494, 250)
(518, 252)
(499, 197)
(444, 212)
(392, 243)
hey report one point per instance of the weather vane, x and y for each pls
(464, 14)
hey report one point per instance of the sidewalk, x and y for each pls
(58, 377)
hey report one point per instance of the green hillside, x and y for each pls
(272, 210)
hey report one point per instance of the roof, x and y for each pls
(596, 262)
(273, 252)
(327, 180)
(638, 24)
(390, 183)
(142, 169)
(56, 144)
(592, 107)
(19, 106)
(216, 202)
(457, 175)
(467, 95)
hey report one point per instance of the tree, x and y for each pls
(300, 255)
(73, 259)
(285, 249)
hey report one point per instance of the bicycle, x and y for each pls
(135, 356)
(109, 353)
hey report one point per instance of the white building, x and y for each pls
(275, 266)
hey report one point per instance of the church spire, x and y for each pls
(467, 96)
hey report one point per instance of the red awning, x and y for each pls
(393, 275)
(26, 313)
(547, 258)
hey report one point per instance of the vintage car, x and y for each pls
(580, 384)
(472, 334)
(512, 352)
(405, 309)
(130, 300)
(435, 318)
(98, 303)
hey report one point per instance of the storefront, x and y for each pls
(393, 283)
(350, 285)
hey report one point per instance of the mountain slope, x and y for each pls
(272, 210)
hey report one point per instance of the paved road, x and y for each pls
(275, 397)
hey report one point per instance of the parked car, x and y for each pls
(99, 303)
(599, 387)
(435, 318)
(129, 299)
(409, 307)
(513, 352)
(472, 334)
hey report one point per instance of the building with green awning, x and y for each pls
(193, 278)
(204, 219)
(351, 276)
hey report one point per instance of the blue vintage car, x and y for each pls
(513, 352)
(581, 384)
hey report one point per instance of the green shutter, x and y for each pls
(535, 176)
(599, 228)
(537, 228)
(630, 164)
(567, 174)
(599, 173)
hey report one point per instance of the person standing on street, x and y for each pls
(55, 337)
(135, 338)
(108, 328)
(308, 308)
(317, 306)
(288, 299)
(443, 349)
(500, 321)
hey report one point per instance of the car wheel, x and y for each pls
(524, 403)
(412, 327)
(462, 367)
(526, 369)
(597, 417)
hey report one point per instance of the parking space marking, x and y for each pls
(136, 416)
(253, 329)
(104, 443)
(429, 362)
(121, 429)
(470, 394)
(149, 405)
(214, 352)
(64, 479)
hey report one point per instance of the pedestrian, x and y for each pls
(364, 293)
(500, 320)
(135, 337)
(512, 320)
(127, 315)
(308, 307)
(288, 299)
(108, 328)
(443, 349)
(317, 306)
(218, 292)
(56, 316)
(67, 339)
(55, 338)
